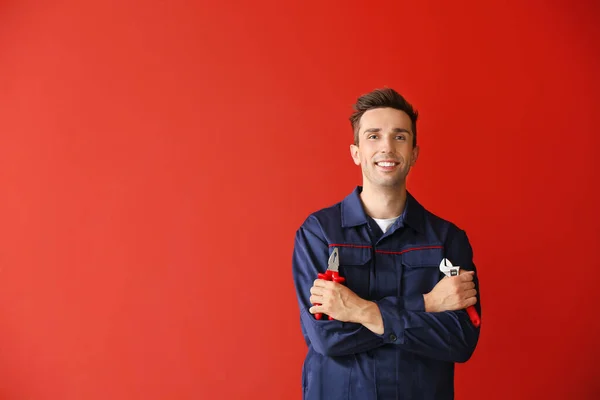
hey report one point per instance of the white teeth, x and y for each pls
(386, 164)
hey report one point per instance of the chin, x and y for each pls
(389, 184)
(393, 185)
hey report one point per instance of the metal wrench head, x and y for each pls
(447, 268)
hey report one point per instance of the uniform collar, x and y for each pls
(353, 213)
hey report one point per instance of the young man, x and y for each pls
(396, 325)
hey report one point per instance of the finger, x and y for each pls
(471, 301)
(470, 293)
(316, 299)
(322, 283)
(317, 290)
(316, 310)
(467, 285)
(466, 277)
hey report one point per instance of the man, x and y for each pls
(395, 327)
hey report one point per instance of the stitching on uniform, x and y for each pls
(358, 246)
(407, 250)
(350, 245)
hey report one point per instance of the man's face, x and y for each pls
(385, 150)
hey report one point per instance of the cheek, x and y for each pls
(364, 161)
(407, 156)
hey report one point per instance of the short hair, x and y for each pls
(380, 98)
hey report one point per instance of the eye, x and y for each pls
(401, 137)
(373, 136)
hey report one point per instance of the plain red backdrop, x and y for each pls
(157, 157)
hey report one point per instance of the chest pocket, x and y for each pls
(420, 272)
(355, 262)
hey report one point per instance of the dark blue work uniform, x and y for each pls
(415, 356)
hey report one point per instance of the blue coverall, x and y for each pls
(414, 357)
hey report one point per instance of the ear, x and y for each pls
(355, 154)
(415, 155)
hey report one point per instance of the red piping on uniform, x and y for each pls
(385, 251)
(407, 250)
(350, 245)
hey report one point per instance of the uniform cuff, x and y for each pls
(414, 303)
(395, 320)
(392, 325)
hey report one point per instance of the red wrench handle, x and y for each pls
(475, 320)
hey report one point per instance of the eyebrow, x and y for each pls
(395, 130)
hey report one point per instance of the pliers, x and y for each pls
(332, 274)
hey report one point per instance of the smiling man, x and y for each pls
(395, 326)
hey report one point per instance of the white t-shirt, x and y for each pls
(384, 224)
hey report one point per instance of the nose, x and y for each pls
(387, 144)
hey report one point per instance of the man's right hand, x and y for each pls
(452, 293)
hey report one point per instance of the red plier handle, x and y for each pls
(329, 276)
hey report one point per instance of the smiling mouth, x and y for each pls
(387, 164)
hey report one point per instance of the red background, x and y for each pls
(156, 159)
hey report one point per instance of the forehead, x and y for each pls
(385, 119)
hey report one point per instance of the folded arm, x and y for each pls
(444, 334)
(362, 325)
(330, 338)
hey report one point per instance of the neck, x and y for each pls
(383, 202)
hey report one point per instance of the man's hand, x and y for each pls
(452, 293)
(342, 304)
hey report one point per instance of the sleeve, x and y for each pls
(329, 338)
(447, 336)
